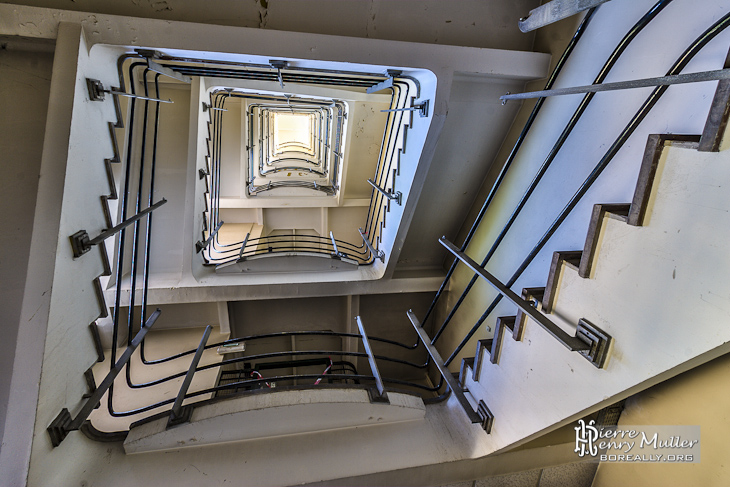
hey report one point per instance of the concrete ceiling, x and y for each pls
(473, 23)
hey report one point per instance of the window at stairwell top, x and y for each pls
(294, 146)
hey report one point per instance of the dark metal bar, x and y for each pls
(157, 68)
(421, 108)
(101, 389)
(570, 342)
(334, 243)
(81, 244)
(207, 106)
(243, 246)
(376, 254)
(675, 79)
(104, 235)
(128, 95)
(382, 395)
(200, 245)
(175, 413)
(443, 370)
(148, 228)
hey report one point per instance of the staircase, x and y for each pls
(646, 276)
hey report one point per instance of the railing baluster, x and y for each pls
(443, 370)
(175, 416)
(334, 245)
(243, 246)
(376, 254)
(200, 245)
(397, 196)
(382, 396)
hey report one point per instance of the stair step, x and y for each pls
(616, 211)
(652, 153)
(534, 295)
(502, 323)
(466, 363)
(568, 257)
(482, 346)
(717, 118)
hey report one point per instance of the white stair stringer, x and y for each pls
(660, 290)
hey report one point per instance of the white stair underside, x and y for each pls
(274, 414)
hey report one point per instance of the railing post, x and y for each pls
(63, 424)
(175, 416)
(381, 396)
(200, 245)
(474, 417)
(397, 196)
(243, 246)
(376, 254)
(334, 245)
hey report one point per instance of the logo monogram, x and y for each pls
(585, 438)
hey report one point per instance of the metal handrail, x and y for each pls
(570, 342)
(63, 424)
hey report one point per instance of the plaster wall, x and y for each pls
(692, 398)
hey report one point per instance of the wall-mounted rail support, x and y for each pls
(381, 395)
(421, 108)
(385, 84)
(63, 424)
(278, 65)
(200, 245)
(376, 254)
(397, 196)
(175, 414)
(80, 242)
(590, 341)
(97, 90)
(208, 106)
(453, 383)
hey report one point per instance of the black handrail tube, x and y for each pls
(283, 334)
